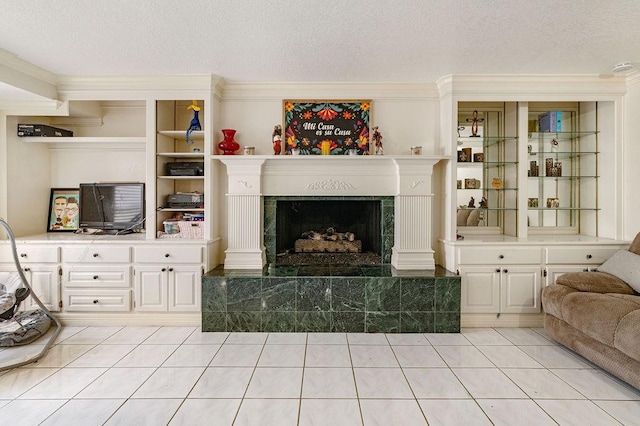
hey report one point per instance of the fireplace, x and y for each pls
(273, 199)
(370, 219)
(252, 181)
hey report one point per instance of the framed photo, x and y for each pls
(63, 210)
(337, 127)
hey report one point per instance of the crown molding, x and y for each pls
(135, 87)
(26, 76)
(633, 78)
(234, 90)
(533, 87)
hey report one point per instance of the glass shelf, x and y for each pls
(563, 177)
(551, 209)
(560, 136)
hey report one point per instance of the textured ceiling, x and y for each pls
(330, 40)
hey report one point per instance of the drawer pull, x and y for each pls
(163, 269)
(95, 277)
(166, 255)
(585, 270)
(23, 254)
(170, 269)
(27, 269)
(501, 256)
(589, 256)
(506, 270)
(498, 270)
(95, 301)
(95, 254)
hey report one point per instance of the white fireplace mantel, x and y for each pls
(407, 178)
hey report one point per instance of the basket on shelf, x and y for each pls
(191, 229)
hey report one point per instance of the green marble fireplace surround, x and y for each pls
(331, 298)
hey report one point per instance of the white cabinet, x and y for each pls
(174, 288)
(500, 289)
(511, 284)
(168, 278)
(96, 278)
(40, 264)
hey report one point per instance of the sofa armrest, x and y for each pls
(595, 282)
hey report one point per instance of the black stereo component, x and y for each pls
(42, 130)
(185, 200)
(185, 168)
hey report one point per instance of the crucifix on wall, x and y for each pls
(474, 124)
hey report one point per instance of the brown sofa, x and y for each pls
(597, 315)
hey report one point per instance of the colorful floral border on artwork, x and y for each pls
(326, 127)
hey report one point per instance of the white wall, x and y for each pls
(631, 159)
(406, 114)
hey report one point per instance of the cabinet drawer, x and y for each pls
(582, 255)
(97, 254)
(498, 256)
(97, 300)
(31, 253)
(168, 254)
(96, 276)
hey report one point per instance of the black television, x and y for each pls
(112, 206)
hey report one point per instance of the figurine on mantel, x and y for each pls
(277, 139)
(377, 140)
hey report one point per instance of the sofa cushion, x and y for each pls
(635, 244)
(599, 315)
(596, 282)
(626, 339)
(552, 297)
(624, 265)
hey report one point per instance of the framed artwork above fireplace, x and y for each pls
(326, 127)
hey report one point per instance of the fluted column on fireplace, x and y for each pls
(245, 249)
(413, 216)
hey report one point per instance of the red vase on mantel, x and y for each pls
(228, 146)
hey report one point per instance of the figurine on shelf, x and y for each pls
(474, 124)
(472, 203)
(483, 203)
(377, 140)
(554, 145)
(195, 122)
(277, 139)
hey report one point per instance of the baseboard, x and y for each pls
(504, 320)
(129, 319)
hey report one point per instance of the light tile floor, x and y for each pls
(180, 376)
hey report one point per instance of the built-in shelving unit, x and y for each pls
(487, 169)
(172, 120)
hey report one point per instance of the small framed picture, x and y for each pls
(478, 157)
(64, 205)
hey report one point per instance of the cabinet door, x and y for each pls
(480, 289)
(520, 289)
(45, 282)
(151, 288)
(184, 288)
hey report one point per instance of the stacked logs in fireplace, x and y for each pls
(329, 241)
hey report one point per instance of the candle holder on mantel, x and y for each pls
(228, 146)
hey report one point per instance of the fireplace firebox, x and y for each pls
(366, 221)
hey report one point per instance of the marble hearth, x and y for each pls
(331, 298)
